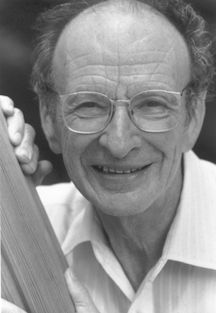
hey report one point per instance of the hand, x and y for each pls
(21, 136)
(80, 296)
(8, 307)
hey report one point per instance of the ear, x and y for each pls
(195, 121)
(50, 129)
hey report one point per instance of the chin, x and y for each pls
(120, 195)
(121, 204)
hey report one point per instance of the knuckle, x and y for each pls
(34, 164)
(30, 130)
(22, 155)
(29, 168)
(19, 117)
(18, 111)
(6, 99)
(33, 167)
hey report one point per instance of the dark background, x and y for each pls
(16, 43)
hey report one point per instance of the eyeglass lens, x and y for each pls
(153, 111)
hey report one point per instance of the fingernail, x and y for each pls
(69, 275)
(10, 106)
(29, 154)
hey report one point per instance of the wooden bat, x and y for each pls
(33, 264)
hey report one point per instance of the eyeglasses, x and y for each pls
(88, 112)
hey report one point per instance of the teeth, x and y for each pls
(106, 170)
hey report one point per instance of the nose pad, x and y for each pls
(121, 136)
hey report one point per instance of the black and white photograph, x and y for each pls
(108, 156)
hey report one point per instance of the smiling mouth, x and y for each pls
(115, 171)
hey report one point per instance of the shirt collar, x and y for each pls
(84, 225)
(191, 238)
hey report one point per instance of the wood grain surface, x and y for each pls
(33, 265)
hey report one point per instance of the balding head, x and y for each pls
(52, 23)
(114, 39)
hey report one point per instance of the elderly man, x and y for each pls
(122, 88)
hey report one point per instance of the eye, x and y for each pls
(89, 109)
(152, 103)
(152, 106)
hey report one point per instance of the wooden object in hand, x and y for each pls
(33, 265)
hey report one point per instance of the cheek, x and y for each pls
(74, 147)
(174, 156)
(70, 152)
(171, 147)
(172, 143)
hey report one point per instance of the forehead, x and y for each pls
(122, 47)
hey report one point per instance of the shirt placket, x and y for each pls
(144, 298)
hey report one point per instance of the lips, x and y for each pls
(119, 178)
(116, 170)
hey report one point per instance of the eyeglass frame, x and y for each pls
(113, 108)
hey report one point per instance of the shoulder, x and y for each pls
(200, 177)
(61, 203)
(57, 193)
(200, 168)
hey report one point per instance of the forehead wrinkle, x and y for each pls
(107, 54)
(93, 77)
(155, 70)
(159, 66)
(112, 35)
(85, 57)
(130, 72)
(98, 87)
(126, 60)
(100, 52)
(91, 68)
(107, 58)
(141, 69)
(91, 83)
(156, 82)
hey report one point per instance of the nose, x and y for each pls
(121, 136)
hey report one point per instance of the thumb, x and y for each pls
(44, 168)
(80, 296)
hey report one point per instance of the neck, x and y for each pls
(138, 240)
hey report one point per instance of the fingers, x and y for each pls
(43, 169)
(80, 296)
(37, 170)
(14, 119)
(27, 153)
(6, 105)
(16, 126)
(30, 165)
(26, 149)
(22, 137)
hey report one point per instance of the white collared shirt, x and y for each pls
(184, 278)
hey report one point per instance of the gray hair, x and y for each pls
(181, 14)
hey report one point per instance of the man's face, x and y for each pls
(122, 170)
